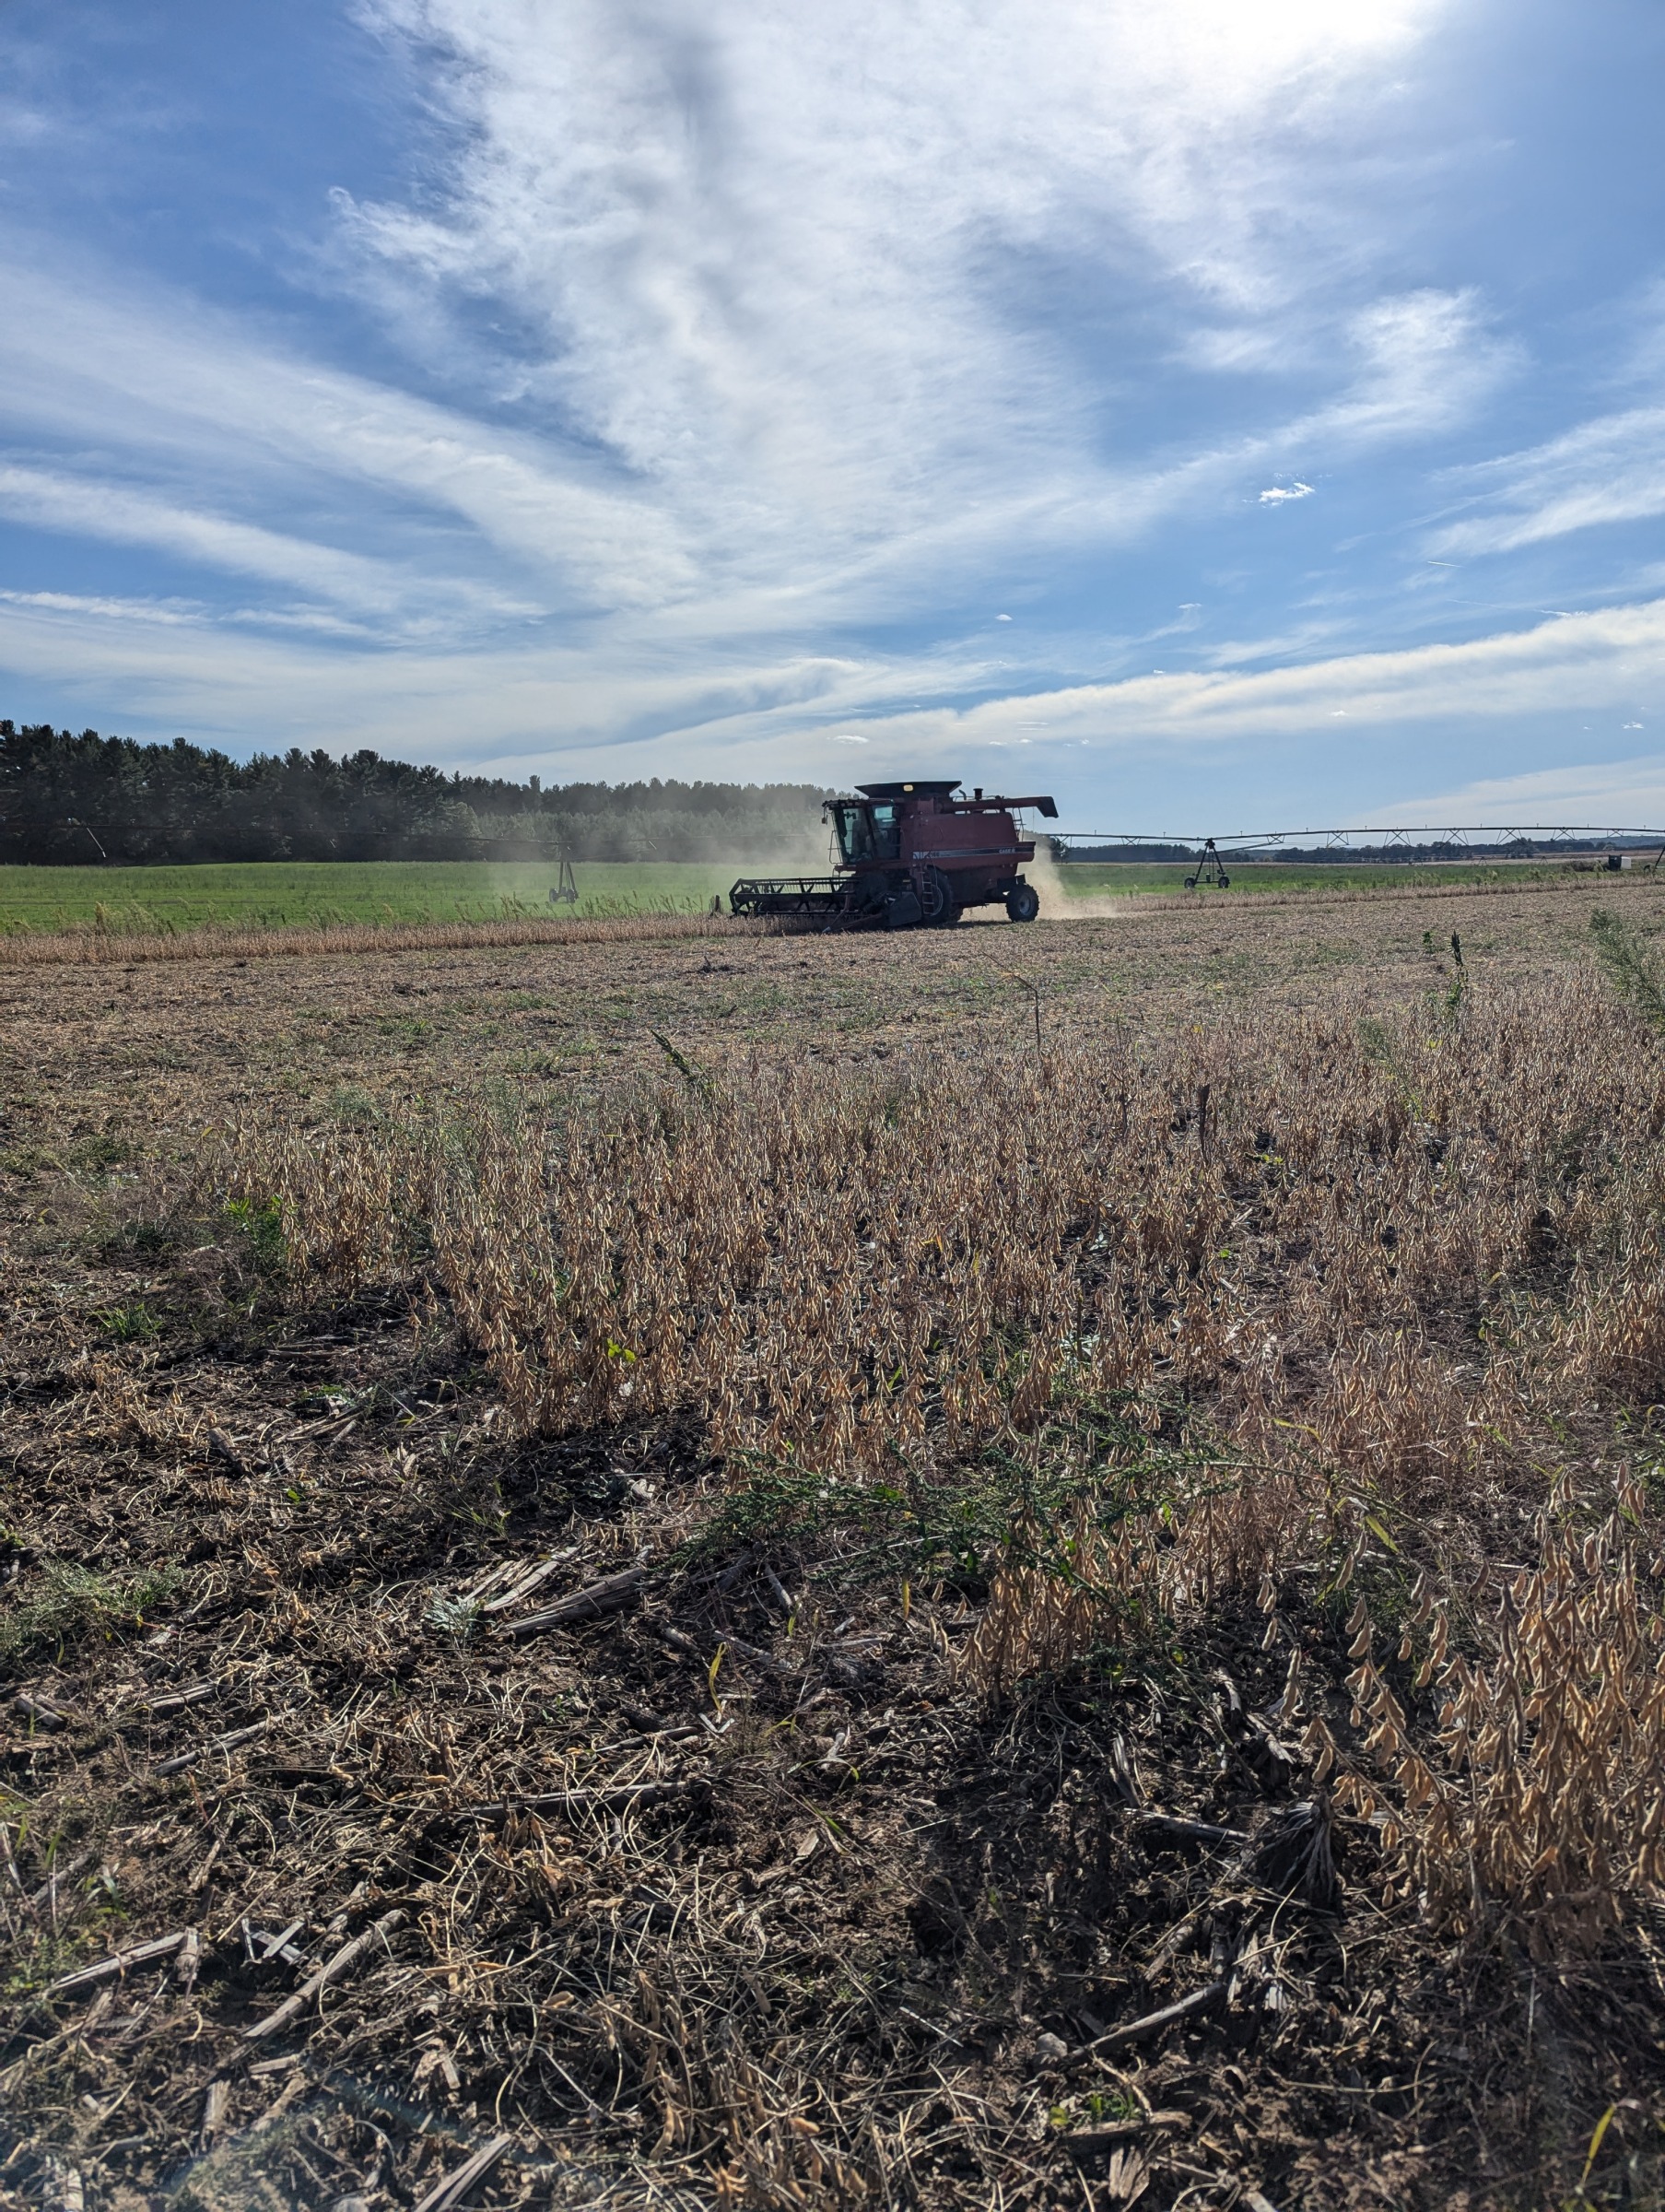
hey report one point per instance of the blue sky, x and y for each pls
(1226, 414)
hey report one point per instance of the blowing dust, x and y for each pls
(1057, 904)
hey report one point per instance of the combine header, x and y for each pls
(909, 855)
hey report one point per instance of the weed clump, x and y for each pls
(1627, 966)
(66, 1602)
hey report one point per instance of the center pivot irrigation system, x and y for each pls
(1432, 844)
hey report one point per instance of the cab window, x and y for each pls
(854, 843)
(867, 834)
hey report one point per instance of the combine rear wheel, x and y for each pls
(1023, 903)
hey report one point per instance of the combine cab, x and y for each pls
(909, 855)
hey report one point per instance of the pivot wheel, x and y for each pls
(1023, 904)
(937, 902)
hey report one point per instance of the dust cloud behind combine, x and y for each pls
(1057, 904)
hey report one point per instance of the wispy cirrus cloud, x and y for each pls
(505, 523)
(786, 714)
(777, 266)
(185, 396)
(95, 507)
(101, 608)
(736, 305)
(1603, 794)
(1593, 662)
(1608, 470)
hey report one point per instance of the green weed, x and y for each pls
(97, 1154)
(1627, 968)
(957, 1524)
(353, 1106)
(27, 1162)
(134, 1324)
(454, 1616)
(70, 1601)
(261, 1222)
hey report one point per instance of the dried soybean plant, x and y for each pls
(1054, 1596)
(1393, 1269)
(1538, 1797)
(322, 1201)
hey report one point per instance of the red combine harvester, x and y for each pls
(910, 855)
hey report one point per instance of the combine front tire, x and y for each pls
(1023, 902)
(937, 902)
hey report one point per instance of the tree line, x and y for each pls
(77, 799)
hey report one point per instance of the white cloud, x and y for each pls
(194, 419)
(1496, 683)
(1590, 659)
(187, 399)
(770, 715)
(21, 125)
(765, 257)
(561, 710)
(776, 370)
(1427, 361)
(669, 189)
(118, 610)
